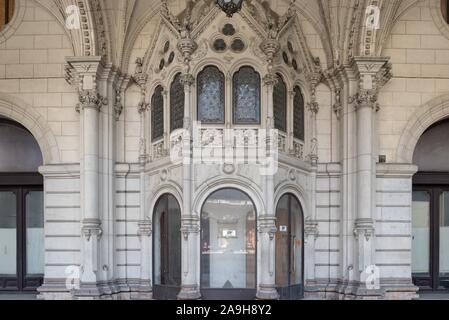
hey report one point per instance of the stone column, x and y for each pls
(373, 72)
(145, 230)
(190, 220)
(86, 70)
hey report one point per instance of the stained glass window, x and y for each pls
(176, 103)
(246, 96)
(280, 105)
(211, 95)
(298, 114)
(157, 114)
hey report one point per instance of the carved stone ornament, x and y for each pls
(90, 99)
(364, 227)
(365, 98)
(145, 228)
(91, 227)
(311, 229)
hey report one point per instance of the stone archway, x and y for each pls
(428, 114)
(17, 110)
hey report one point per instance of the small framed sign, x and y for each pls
(283, 229)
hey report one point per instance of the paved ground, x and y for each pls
(19, 296)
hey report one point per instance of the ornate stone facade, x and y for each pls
(86, 96)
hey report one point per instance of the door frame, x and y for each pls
(435, 183)
(160, 291)
(288, 293)
(20, 184)
(225, 293)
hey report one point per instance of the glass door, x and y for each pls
(430, 237)
(21, 238)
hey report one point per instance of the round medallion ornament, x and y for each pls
(228, 168)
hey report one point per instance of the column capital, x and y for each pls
(270, 79)
(365, 98)
(91, 227)
(187, 79)
(364, 227)
(90, 99)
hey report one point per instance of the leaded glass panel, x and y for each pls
(246, 96)
(280, 105)
(298, 114)
(157, 114)
(176, 103)
(211, 95)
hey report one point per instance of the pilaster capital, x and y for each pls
(189, 225)
(267, 225)
(365, 98)
(270, 79)
(90, 99)
(91, 227)
(313, 107)
(364, 227)
(311, 228)
(187, 79)
(145, 228)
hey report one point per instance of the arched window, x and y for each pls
(246, 96)
(157, 114)
(176, 103)
(6, 12)
(211, 95)
(445, 9)
(298, 114)
(280, 104)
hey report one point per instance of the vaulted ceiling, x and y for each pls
(110, 27)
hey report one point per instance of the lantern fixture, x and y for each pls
(230, 6)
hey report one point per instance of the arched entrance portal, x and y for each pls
(228, 246)
(167, 248)
(21, 209)
(289, 248)
(430, 211)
